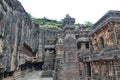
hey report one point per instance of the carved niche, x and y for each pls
(71, 56)
(95, 44)
(108, 39)
(111, 31)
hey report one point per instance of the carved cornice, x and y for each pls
(110, 16)
(106, 53)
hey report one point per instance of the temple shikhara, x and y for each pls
(89, 53)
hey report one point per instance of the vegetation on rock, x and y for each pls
(49, 23)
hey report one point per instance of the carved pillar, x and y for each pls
(59, 69)
(86, 71)
(91, 44)
(92, 71)
(59, 57)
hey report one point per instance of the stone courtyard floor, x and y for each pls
(33, 75)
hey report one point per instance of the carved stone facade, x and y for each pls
(104, 57)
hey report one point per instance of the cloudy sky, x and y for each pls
(81, 10)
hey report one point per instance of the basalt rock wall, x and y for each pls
(16, 29)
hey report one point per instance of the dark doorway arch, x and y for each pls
(101, 43)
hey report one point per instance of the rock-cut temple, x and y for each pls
(90, 53)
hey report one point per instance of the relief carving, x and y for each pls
(111, 28)
(71, 56)
(112, 37)
(108, 39)
(117, 31)
(95, 45)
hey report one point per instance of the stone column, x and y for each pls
(92, 72)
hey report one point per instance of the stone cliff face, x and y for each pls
(16, 32)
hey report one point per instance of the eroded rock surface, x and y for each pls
(16, 32)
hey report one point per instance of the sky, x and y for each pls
(81, 10)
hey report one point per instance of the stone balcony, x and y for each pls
(84, 51)
(111, 52)
(95, 57)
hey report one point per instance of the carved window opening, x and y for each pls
(101, 43)
(88, 69)
(1, 43)
(87, 45)
(91, 45)
(79, 45)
